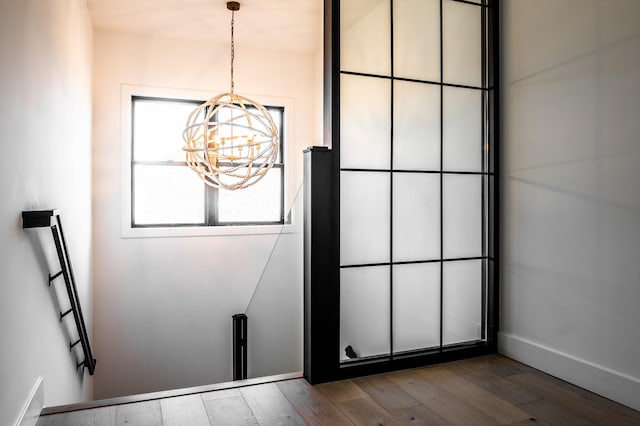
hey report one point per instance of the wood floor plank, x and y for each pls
(612, 407)
(438, 400)
(312, 405)
(343, 390)
(104, 416)
(570, 400)
(602, 403)
(386, 393)
(533, 421)
(231, 411)
(365, 411)
(139, 413)
(496, 385)
(270, 406)
(184, 411)
(420, 415)
(496, 364)
(498, 409)
(550, 412)
(224, 393)
(401, 376)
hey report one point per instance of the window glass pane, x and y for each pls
(462, 130)
(462, 216)
(365, 123)
(157, 129)
(416, 39)
(364, 311)
(260, 202)
(462, 43)
(364, 217)
(167, 195)
(365, 42)
(416, 306)
(416, 126)
(462, 301)
(416, 216)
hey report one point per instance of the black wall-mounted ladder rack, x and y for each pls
(51, 219)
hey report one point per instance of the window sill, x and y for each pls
(208, 231)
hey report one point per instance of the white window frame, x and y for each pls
(127, 92)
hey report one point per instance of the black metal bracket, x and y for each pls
(51, 219)
(54, 276)
(65, 313)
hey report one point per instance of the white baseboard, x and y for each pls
(609, 383)
(33, 405)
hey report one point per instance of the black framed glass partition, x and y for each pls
(403, 272)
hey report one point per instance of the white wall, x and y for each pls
(570, 284)
(163, 306)
(45, 159)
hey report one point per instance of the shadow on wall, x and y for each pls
(570, 200)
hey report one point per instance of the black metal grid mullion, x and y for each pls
(413, 80)
(472, 3)
(391, 111)
(411, 262)
(211, 203)
(493, 106)
(441, 177)
(484, 180)
(452, 172)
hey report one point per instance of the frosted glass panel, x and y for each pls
(416, 39)
(364, 217)
(462, 130)
(364, 311)
(365, 41)
(416, 306)
(365, 122)
(416, 216)
(462, 198)
(462, 43)
(416, 126)
(462, 301)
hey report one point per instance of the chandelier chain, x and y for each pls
(236, 149)
(233, 15)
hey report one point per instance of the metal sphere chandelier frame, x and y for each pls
(231, 141)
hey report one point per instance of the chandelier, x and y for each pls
(231, 142)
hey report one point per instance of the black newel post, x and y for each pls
(239, 346)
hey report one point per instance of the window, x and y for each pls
(415, 213)
(165, 192)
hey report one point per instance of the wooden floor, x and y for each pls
(490, 390)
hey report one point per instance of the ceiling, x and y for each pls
(294, 25)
